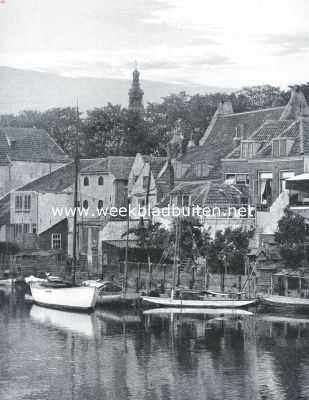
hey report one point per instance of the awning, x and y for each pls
(298, 182)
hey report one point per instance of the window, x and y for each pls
(100, 204)
(86, 181)
(265, 183)
(56, 240)
(200, 169)
(279, 147)
(18, 230)
(141, 202)
(18, 203)
(145, 182)
(34, 228)
(185, 200)
(101, 181)
(27, 202)
(26, 228)
(85, 204)
(238, 179)
(249, 149)
(284, 175)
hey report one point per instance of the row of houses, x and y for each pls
(258, 158)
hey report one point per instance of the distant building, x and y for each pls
(136, 93)
(25, 155)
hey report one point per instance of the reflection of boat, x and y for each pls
(285, 302)
(107, 292)
(200, 311)
(6, 282)
(60, 296)
(211, 302)
(69, 321)
(126, 318)
(282, 318)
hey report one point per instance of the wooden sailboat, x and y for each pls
(203, 299)
(62, 295)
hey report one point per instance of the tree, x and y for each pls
(104, 130)
(291, 237)
(229, 249)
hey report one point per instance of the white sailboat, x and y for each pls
(60, 295)
(205, 299)
(211, 302)
(63, 297)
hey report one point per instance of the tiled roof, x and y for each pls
(5, 210)
(4, 150)
(119, 166)
(305, 123)
(210, 193)
(219, 141)
(156, 164)
(30, 144)
(270, 129)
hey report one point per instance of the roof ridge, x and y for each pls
(251, 111)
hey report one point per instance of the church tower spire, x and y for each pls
(136, 93)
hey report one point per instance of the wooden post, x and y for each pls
(150, 273)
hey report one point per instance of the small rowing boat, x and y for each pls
(204, 301)
(286, 302)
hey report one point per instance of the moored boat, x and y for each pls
(197, 311)
(211, 302)
(107, 292)
(64, 297)
(286, 302)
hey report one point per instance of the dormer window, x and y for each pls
(249, 148)
(282, 147)
(200, 169)
(13, 144)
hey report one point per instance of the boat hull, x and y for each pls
(286, 303)
(109, 298)
(75, 298)
(209, 303)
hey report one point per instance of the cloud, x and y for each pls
(288, 43)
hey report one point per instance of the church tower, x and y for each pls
(135, 93)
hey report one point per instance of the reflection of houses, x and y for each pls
(25, 155)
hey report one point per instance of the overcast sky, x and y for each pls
(219, 42)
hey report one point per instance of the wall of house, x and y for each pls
(94, 192)
(254, 167)
(45, 238)
(138, 192)
(24, 216)
(21, 172)
(136, 169)
(46, 203)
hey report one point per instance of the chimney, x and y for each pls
(225, 107)
(297, 106)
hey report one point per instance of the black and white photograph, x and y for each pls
(154, 200)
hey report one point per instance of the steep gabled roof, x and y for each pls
(30, 144)
(217, 142)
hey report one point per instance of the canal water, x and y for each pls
(57, 355)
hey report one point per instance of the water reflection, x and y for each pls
(50, 354)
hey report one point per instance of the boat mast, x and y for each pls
(76, 171)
